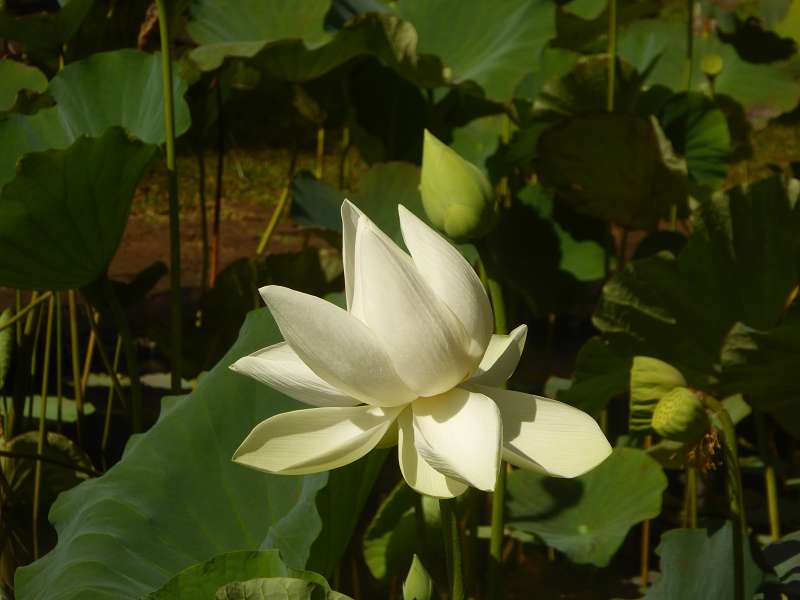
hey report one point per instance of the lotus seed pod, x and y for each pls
(456, 195)
(680, 416)
(712, 65)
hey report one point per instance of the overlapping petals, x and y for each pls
(412, 361)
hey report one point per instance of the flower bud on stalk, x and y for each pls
(456, 195)
(681, 416)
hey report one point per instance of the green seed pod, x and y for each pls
(680, 416)
(457, 196)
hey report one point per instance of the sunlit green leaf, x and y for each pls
(697, 564)
(62, 216)
(277, 588)
(588, 517)
(176, 498)
(16, 77)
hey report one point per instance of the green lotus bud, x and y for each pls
(680, 416)
(712, 65)
(457, 196)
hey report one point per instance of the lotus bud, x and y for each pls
(712, 65)
(681, 416)
(456, 195)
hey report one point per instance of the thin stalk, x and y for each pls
(110, 401)
(21, 312)
(201, 197)
(690, 504)
(320, 157)
(59, 359)
(495, 291)
(174, 206)
(344, 171)
(452, 545)
(419, 520)
(90, 346)
(272, 224)
(75, 357)
(733, 483)
(131, 358)
(770, 480)
(37, 481)
(689, 44)
(215, 239)
(17, 308)
(34, 355)
(612, 54)
(645, 545)
(103, 354)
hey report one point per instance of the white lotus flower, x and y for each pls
(412, 362)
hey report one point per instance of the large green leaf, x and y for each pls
(767, 89)
(697, 564)
(120, 88)
(740, 264)
(290, 43)
(16, 77)
(204, 579)
(588, 517)
(492, 44)
(615, 167)
(63, 215)
(698, 131)
(176, 498)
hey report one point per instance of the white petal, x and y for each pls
(314, 439)
(501, 358)
(459, 434)
(279, 367)
(451, 277)
(336, 346)
(547, 435)
(416, 471)
(427, 343)
(350, 217)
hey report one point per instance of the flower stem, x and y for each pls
(215, 233)
(174, 207)
(499, 495)
(733, 482)
(75, 360)
(690, 518)
(131, 358)
(37, 483)
(452, 546)
(612, 54)
(689, 43)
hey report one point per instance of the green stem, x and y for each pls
(131, 358)
(37, 482)
(733, 481)
(612, 54)
(104, 355)
(110, 401)
(770, 479)
(419, 520)
(452, 545)
(269, 230)
(59, 358)
(21, 312)
(690, 519)
(689, 43)
(499, 494)
(174, 207)
(75, 359)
